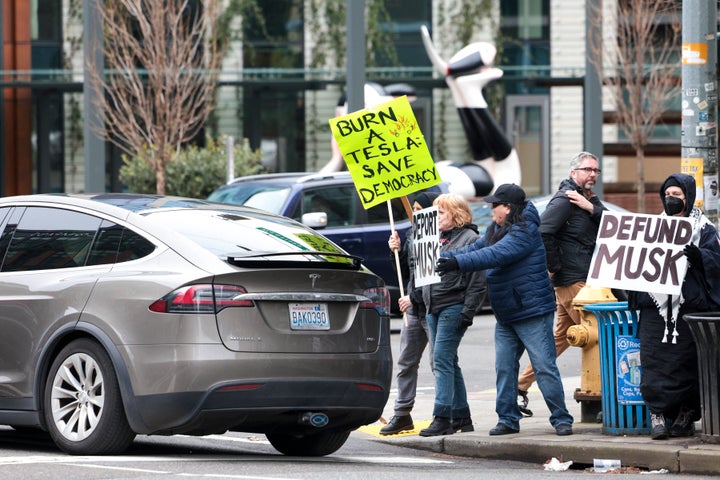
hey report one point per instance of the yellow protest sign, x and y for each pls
(385, 151)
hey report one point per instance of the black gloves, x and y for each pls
(692, 252)
(445, 265)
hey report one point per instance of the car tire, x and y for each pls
(82, 406)
(313, 445)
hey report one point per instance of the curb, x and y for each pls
(679, 455)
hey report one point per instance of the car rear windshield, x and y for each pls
(235, 234)
(270, 198)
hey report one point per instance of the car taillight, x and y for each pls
(226, 296)
(378, 298)
(201, 299)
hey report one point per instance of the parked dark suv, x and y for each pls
(328, 203)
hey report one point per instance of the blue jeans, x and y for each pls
(511, 340)
(450, 394)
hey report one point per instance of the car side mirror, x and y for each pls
(315, 219)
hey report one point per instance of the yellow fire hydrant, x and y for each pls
(585, 336)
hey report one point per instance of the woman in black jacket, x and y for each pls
(450, 308)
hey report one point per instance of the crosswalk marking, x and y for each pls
(100, 461)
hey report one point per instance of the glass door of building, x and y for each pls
(528, 127)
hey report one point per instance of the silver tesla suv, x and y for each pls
(128, 314)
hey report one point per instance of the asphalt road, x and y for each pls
(31, 455)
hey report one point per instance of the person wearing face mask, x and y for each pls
(523, 301)
(670, 384)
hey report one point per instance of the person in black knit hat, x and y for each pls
(414, 332)
(670, 384)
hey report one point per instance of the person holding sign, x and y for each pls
(568, 227)
(523, 301)
(414, 333)
(670, 384)
(449, 310)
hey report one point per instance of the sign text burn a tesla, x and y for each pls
(385, 151)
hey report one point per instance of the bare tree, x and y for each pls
(639, 62)
(161, 64)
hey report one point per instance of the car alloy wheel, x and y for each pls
(83, 408)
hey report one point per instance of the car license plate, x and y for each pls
(309, 316)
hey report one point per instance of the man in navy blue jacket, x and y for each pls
(568, 227)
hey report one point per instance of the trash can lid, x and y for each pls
(604, 307)
(702, 317)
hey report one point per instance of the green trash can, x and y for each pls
(623, 410)
(705, 328)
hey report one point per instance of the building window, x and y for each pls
(525, 28)
(46, 20)
(404, 27)
(278, 42)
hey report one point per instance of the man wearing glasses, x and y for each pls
(569, 227)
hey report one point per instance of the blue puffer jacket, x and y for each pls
(517, 277)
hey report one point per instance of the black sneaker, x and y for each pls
(523, 403)
(439, 426)
(502, 429)
(463, 424)
(683, 426)
(658, 429)
(397, 424)
(564, 429)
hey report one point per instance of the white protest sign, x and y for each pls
(640, 252)
(426, 245)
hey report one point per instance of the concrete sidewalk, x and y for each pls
(537, 442)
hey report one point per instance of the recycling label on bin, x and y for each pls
(629, 369)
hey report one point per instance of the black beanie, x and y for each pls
(672, 182)
(425, 199)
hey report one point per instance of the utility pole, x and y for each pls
(94, 149)
(592, 90)
(700, 101)
(355, 17)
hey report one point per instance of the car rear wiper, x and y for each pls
(260, 260)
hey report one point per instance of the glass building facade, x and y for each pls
(272, 92)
